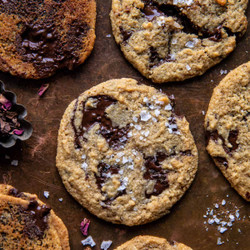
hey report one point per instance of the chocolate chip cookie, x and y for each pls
(38, 37)
(227, 124)
(28, 223)
(146, 242)
(124, 154)
(175, 40)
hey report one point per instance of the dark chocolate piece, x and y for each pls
(104, 172)
(36, 220)
(126, 34)
(155, 172)
(222, 161)
(248, 195)
(232, 138)
(114, 135)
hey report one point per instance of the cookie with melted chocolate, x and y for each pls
(176, 40)
(143, 242)
(40, 37)
(124, 154)
(35, 224)
(227, 125)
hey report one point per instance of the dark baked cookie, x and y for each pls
(174, 40)
(28, 223)
(124, 154)
(147, 242)
(227, 123)
(38, 37)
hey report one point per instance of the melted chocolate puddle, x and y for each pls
(36, 220)
(115, 136)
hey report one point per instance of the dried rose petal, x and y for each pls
(6, 104)
(18, 131)
(42, 89)
(84, 226)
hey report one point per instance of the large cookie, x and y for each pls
(124, 154)
(175, 40)
(227, 124)
(28, 223)
(38, 37)
(146, 242)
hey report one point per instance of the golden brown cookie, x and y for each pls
(28, 223)
(38, 37)
(176, 40)
(147, 242)
(124, 154)
(227, 123)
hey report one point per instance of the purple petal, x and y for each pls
(18, 131)
(84, 226)
(42, 89)
(6, 104)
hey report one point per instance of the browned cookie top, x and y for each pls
(39, 37)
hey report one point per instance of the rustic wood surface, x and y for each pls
(36, 169)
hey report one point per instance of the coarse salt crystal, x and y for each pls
(46, 194)
(145, 116)
(135, 119)
(84, 166)
(145, 99)
(130, 134)
(168, 107)
(216, 205)
(120, 154)
(138, 127)
(108, 35)
(124, 159)
(83, 157)
(60, 199)
(219, 242)
(223, 203)
(146, 134)
(88, 241)
(210, 221)
(106, 244)
(188, 67)
(157, 112)
(222, 230)
(14, 163)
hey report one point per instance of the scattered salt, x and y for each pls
(14, 163)
(145, 116)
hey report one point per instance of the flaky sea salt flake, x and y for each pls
(88, 241)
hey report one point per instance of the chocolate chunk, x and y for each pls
(151, 12)
(222, 161)
(232, 138)
(105, 171)
(248, 195)
(36, 220)
(126, 34)
(155, 172)
(115, 136)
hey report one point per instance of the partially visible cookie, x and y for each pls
(227, 123)
(175, 40)
(38, 37)
(124, 154)
(146, 242)
(28, 223)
